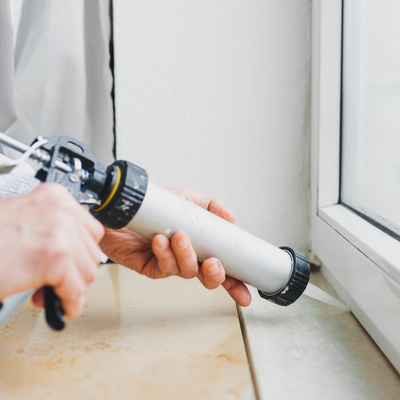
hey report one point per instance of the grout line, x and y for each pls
(248, 352)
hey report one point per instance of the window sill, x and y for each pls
(360, 261)
(382, 249)
(311, 350)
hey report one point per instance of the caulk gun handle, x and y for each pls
(53, 309)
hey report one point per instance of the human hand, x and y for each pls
(160, 258)
(47, 238)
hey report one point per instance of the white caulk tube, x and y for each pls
(281, 275)
(243, 255)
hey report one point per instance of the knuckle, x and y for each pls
(169, 272)
(52, 191)
(168, 267)
(97, 259)
(52, 251)
(56, 223)
(59, 218)
(91, 274)
(186, 256)
(60, 247)
(189, 274)
(214, 203)
(73, 307)
(174, 271)
(210, 201)
(214, 284)
(216, 200)
(79, 290)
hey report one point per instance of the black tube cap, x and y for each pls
(297, 282)
(128, 197)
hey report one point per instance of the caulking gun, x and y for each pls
(121, 195)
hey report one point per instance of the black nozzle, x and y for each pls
(297, 282)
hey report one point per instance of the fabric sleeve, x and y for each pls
(21, 179)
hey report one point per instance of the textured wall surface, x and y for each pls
(215, 96)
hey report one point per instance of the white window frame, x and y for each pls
(360, 260)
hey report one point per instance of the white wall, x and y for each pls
(215, 96)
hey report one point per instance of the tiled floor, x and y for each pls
(137, 339)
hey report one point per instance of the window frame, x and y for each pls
(358, 259)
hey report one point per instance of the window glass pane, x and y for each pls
(370, 176)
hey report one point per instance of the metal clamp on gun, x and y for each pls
(121, 195)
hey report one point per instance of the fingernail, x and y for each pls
(162, 242)
(183, 243)
(214, 269)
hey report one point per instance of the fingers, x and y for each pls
(72, 294)
(64, 245)
(217, 207)
(69, 286)
(185, 255)
(38, 298)
(179, 258)
(95, 228)
(210, 203)
(69, 279)
(56, 196)
(175, 258)
(79, 268)
(167, 263)
(238, 291)
(213, 273)
(88, 253)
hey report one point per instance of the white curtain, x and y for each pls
(62, 77)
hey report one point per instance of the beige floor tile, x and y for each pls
(137, 339)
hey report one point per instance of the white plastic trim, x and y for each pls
(360, 260)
